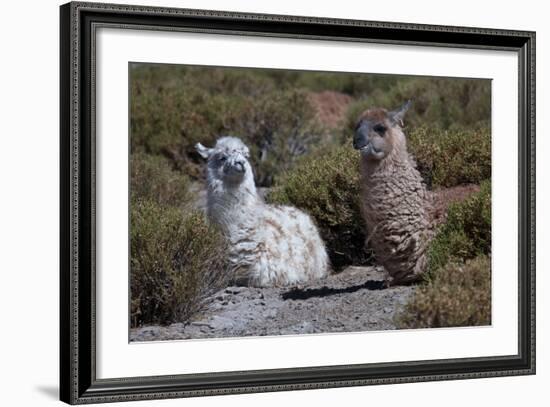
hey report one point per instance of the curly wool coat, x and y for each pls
(396, 208)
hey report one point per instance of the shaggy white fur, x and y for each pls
(270, 245)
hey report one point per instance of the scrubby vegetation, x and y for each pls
(151, 177)
(447, 158)
(466, 232)
(443, 103)
(177, 260)
(327, 187)
(457, 288)
(458, 295)
(302, 160)
(170, 113)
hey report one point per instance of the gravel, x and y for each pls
(351, 301)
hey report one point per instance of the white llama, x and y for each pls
(270, 245)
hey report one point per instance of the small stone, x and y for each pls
(235, 290)
(272, 313)
(199, 323)
(178, 326)
(220, 323)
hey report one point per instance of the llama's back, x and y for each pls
(288, 250)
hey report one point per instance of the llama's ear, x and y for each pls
(397, 115)
(203, 151)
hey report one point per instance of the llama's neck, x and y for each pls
(230, 204)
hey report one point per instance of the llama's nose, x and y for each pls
(359, 142)
(361, 137)
(239, 166)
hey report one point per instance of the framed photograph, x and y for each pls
(255, 203)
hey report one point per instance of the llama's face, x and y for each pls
(230, 166)
(228, 160)
(378, 131)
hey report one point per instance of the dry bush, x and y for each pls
(458, 295)
(278, 128)
(442, 103)
(152, 177)
(173, 108)
(447, 158)
(353, 84)
(177, 261)
(466, 232)
(457, 286)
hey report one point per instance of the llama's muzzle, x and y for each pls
(360, 138)
(238, 166)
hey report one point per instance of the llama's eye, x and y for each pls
(223, 158)
(380, 129)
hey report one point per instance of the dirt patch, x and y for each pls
(330, 107)
(354, 300)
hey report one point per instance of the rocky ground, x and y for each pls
(354, 300)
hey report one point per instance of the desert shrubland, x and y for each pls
(300, 159)
(440, 103)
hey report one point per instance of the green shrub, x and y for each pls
(457, 285)
(459, 295)
(353, 84)
(173, 108)
(168, 118)
(446, 158)
(465, 234)
(152, 177)
(177, 260)
(437, 102)
(278, 128)
(327, 187)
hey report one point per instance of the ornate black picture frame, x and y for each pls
(78, 381)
